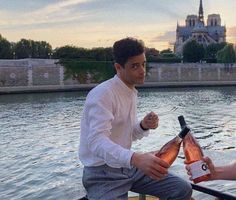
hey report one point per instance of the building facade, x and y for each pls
(196, 29)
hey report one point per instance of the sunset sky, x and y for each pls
(98, 23)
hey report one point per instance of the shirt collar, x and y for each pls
(124, 86)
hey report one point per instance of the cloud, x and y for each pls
(60, 12)
(168, 36)
(231, 34)
(231, 31)
(57, 7)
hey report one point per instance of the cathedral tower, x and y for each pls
(195, 29)
(200, 13)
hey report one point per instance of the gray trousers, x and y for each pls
(107, 183)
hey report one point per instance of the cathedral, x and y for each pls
(196, 29)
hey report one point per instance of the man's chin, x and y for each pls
(141, 82)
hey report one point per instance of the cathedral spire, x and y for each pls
(200, 13)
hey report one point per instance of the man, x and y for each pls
(226, 172)
(109, 125)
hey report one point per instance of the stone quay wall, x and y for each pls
(192, 72)
(38, 75)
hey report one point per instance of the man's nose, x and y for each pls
(142, 70)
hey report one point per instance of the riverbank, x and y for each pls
(87, 87)
(47, 75)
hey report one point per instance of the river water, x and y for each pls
(39, 137)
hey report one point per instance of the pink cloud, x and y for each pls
(168, 36)
(231, 31)
(231, 34)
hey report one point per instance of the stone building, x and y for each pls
(195, 28)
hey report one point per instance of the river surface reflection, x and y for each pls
(39, 137)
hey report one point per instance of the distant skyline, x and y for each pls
(98, 23)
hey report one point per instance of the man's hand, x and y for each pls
(210, 165)
(150, 121)
(151, 165)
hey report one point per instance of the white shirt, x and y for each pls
(109, 124)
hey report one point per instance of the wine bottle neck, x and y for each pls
(179, 139)
(184, 132)
(182, 121)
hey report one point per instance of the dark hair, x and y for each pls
(126, 48)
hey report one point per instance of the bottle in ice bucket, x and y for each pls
(193, 156)
(170, 150)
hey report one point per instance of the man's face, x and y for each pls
(134, 70)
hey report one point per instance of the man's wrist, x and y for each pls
(217, 174)
(134, 159)
(145, 129)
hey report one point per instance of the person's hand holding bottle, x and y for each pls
(226, 172)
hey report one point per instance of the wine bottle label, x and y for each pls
(198, 169)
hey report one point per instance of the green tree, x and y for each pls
(212, 49)
(44, 49)
(69, 52)
(226, 55)
(32, 49)
(24, 49)
(167, 54)
(101, 54)
(166, 51)
(193, 52)
(5, 49)
(151, 54)
(94, 54)
(84, 71)
(235, 48)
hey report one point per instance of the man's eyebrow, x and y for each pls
(136, 63)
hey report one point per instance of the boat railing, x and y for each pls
(206, 190)
(203, 189)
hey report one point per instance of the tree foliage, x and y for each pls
(101, 54)
(23, 49)
(227, 54)
(68, 52)
(5, 48)
(32, 49)
(88, 71)
(193, 52)
(166, 51)
(151, 52)
(212, 49)
(95, 54)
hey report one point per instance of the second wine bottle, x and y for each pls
(170, 150)
(194, 156)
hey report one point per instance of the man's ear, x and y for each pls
(118, 67)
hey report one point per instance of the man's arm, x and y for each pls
(150, 121)
(226, 172)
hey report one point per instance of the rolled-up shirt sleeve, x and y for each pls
(138, 132)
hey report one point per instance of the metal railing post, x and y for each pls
(142, 197)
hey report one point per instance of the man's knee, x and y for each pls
(184, 191)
